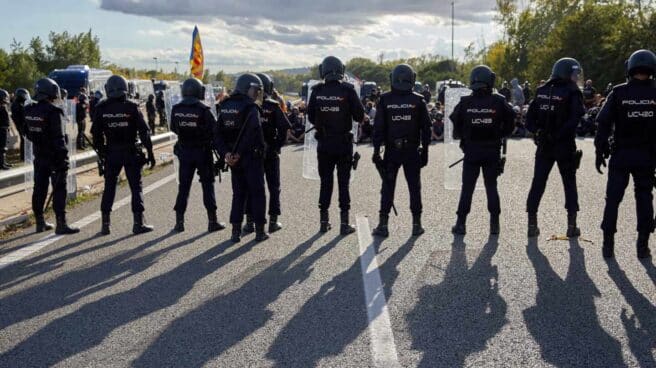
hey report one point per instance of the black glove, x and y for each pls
(376, 159)
(423, 153)
(151, 159)
(600, 161)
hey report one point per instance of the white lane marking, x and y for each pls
(383, 348)
(51, 238)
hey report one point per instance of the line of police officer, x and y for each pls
(248, 139)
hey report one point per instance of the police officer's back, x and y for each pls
(481, 121)
(44, 129)
(552, 117)
(116, 125)
(402, 124)
(629, 115)
(332, 108)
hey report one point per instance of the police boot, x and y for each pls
(42, 225)
(608, 249)
(236, 232)
(460, 228)
(533, 229)
(139, 227)
(274, 225)
(381, 230)
(179, 222)
(572, 230)
(416, 225)
(643, 246)
(62, 228)
(105, 223)
(325, 225)
(495, 226)
(3, 162)
(260, 235)
(212, 223)
(250, 225)
(345, 228)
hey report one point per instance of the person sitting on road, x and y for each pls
(297, 133)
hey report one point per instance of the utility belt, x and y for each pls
(336, 138)
(403, 143)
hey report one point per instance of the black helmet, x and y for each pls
(193, 88)
(46, 89)
(98, 95)
(482, 77)
(267, 83)
(642, 61)
(116, 87)
(403, 78)
(245, 82)
(22, 94)
(63, 92)
(4, 96)
(151, 97)
(331, 69)
(565, 68)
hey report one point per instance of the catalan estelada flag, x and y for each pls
(196, 59)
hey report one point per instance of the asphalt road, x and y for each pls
(303, 299)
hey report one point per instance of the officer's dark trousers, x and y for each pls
(327, 164)
(22, 147)
(624, 163)
(162, 118)
(272, 175)
(4, 133)
(81, 129)
(411, 162)
(118, 159)
(192, 160)
(479, 159)
(151, 124)
(248, 184)
(544, 162)
(44, 175)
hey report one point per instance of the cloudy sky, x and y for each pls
(255, 35)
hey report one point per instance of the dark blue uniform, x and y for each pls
(401, 124)
(274, 127)
(481, 121)
(629, 112)
(239, 119)
(332, 108)
(116, 124)
(44, 128)
(553, 115)
(81, 120)
(196, 127)
(4, 133)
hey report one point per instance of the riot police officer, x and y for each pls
(403, 125)
(116, 123)
(81, 119)
(553, 116)
(274, 126)
(332, 107)
(151, 113)
(4, 129)
(22, 96)
(629, 114)
(481, 121)
(161, 108)
(44, 129)
(241, 142)
(195, 126)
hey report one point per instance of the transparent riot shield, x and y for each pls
(452, 151)
(172, 97)
(310, 163)
(210, 100)
(29, 164)
(69, 127)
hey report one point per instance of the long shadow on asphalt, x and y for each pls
(458, 316)
(28, 233)
(650, 269)
(71, 286)
(27, 269)
(332, 318)
(564, 319)
(92, 323)
(641, 326)
(225, 320)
